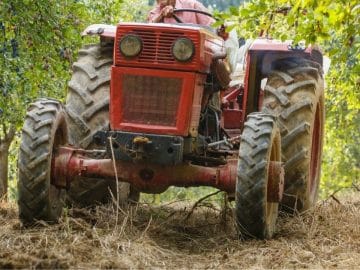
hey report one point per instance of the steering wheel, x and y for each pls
(189, 10)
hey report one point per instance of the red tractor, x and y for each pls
(153, 106)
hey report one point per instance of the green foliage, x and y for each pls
(114, 11)
(182, 194)
(37, 40)
(12, 181)
(221, 5)
(38, 43)
(335, 26)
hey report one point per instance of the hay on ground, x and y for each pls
(327, 236)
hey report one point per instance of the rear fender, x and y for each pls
(261, 55)
(273, 50)
(104, 31)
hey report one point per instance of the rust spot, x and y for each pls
(275, 182)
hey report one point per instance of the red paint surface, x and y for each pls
(231, 95)
(69, 164)
(268, 51)
(246, 86)
(183, 115)
(232, 113)
(232, 118)
(271, 45)
(316, 148)
(157, 43)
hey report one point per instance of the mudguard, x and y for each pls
(276, 49)
(259, 56)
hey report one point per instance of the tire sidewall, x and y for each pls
(253, 218)
(56, 196)
(312, 190)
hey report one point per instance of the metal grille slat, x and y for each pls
(156, 45)
(151, 100)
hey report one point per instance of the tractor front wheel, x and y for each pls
(258, 190)
(43, 132)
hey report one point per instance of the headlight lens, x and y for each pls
(130, 45)
(183, 49)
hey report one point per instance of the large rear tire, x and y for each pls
(256, 212)
(43, 132)
(87, 106)
(295, 93)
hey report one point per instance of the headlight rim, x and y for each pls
(192, 47)
(124, 38)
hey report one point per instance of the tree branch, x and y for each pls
(335, 199)
(10, 135)
(4, 130)
(356, 187)
(199, 201)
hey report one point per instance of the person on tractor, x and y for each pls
(164, 12)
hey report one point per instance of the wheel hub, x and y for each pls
(275, 182)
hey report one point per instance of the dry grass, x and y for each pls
(327, 236)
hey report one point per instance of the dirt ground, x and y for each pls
(144, 236)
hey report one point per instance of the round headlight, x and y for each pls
(130, 45)
(183, 49)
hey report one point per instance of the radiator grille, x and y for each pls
(150, 100)
(156, 47)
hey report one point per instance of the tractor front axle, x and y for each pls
(68, 163)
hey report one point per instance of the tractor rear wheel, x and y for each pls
(87, 106)
(260, 149)
(43, 132)
(295, 93)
